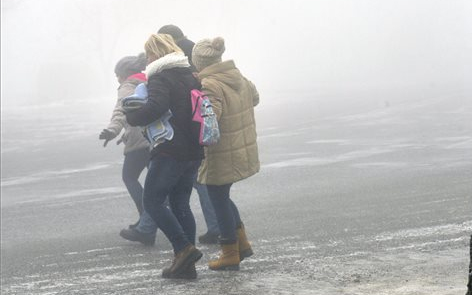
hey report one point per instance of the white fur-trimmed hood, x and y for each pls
(168, 61)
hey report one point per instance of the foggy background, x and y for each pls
(364, 132)
(66, 50)
(308, 59)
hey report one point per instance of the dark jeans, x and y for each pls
(134, 164)
(226, 212)
(172, 178)
(207, 208)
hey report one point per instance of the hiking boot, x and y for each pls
(137, 236)
(182, 261)
(208, 238)
(190, 273)
(229, 258)
(134, 225)
(245, 249)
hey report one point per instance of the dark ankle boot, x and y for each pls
(134, 225)
(182, 261)
(190, 273)
(208, 238)
(132, 234)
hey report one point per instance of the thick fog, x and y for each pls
(66, 50)
(364, 133)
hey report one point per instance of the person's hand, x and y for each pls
(107, 135)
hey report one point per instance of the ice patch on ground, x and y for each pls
(382, 164)
(288, 265)
(330, 141)
(280, 134)
(442, 230)
(44, 175)
(79, 193)
(313, 161)
(466, 144)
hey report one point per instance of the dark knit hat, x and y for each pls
(207, 52)
(130, 65)
(172, 30)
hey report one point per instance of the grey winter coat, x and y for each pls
(133, 136)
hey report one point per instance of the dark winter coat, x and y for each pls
(170, 81)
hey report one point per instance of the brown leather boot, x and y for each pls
(182, 260)
(229, 258)
(190, 273)
(245, 249)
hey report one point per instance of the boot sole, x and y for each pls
(245, 253)
(227, 267)
(144, 241)
(194, 257)
(180, 276)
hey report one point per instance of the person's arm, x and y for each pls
(253, 91)
(217, 105)
(158, 103)
(213, 92)
(118, 119)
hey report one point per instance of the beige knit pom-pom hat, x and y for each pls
(207, 52)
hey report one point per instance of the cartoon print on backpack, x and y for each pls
(202, 113)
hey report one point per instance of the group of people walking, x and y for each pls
(171, 67)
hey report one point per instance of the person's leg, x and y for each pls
(146, 224)
(134, 164)
(179, 200)
(237, 217)
(144, 232)
(245, 249)
(163, 176)
(207, 209)
(229, 258)
(219, 196)
(164, 173)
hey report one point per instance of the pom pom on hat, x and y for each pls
(218, 44)
(207, 52)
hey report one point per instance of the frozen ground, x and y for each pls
(371, 201)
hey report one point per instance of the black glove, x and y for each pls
(107, 135)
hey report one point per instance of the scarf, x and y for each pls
(168, 61)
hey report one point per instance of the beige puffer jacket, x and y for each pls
(235, 156)
(133, 137)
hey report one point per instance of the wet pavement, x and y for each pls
(372, 203)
